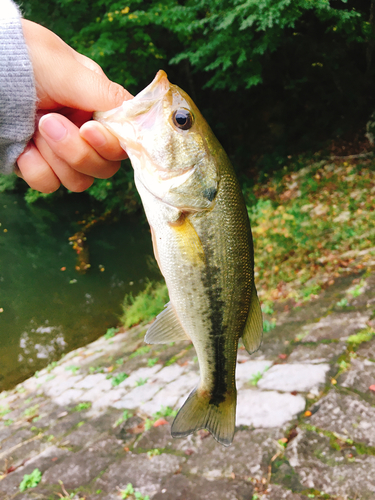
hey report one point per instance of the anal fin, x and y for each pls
(253, 331)
(166, 328)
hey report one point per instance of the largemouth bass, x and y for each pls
(202, 242)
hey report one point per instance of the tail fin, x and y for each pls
(197, 413)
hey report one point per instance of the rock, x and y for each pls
(331, 471)
(336, 326)
(193, 488)
(319, 353)
(347, 415)
(146, 474)
(213, 461)
(246, 371)
(101, 449)
(360, 376)
(294, 377)
(267, 409)
(79, 469)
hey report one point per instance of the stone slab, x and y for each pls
(331, 471)
(346, 414)
(263, 409)
(294, 377)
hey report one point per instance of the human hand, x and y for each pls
(67, 146)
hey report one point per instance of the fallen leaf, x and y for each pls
(160, 421)
(282, 356)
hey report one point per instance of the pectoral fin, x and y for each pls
(252, 334)
(166, 328)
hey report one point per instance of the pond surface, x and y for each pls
(46, 311)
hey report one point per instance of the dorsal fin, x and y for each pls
(166, 328)
(253, 331)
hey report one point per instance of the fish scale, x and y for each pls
(202, 242)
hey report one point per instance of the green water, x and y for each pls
(46, 311)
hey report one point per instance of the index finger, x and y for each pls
(104, 143)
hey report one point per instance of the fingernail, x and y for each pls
(52, 127)
(94, 136)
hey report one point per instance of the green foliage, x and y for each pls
(72, 368)
(165, 411)
(32, 196)
(31, 411)
(255, 378)
(229, 40)
(152, 362)
(131, 493)
(146, 305)
(153, 453)
(82, 406)
(267, 307)
(302, 233)
(343, 302)
(30, 480)
(117, 379)
(362, 336)
(141, 381)
(51, 366)
(4, 410)
(111, 332)
(7, 182)
(125, 415)
(301, 68)
(140, 351)
(268, 325)
(358, 289)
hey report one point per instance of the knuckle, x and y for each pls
(81, 161)
(116, 92)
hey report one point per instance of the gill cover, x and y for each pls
(170, 145)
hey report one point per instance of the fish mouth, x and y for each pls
(122, 121)
(156, 89)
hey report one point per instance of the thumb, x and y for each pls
(90, 89)
(64, 77)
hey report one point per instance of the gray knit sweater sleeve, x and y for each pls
(17, 89)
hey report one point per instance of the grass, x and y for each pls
(111, 332)
(30, 480)
(140, 351)
(125, 415)
(311, 226)
(118, 379)
(131, 493)
(4, 410)
(360, 337)
(254, 379)
(145, 306)
(82, 406)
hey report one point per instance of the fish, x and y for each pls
(202, 243)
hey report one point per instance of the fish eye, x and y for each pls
(183, 119)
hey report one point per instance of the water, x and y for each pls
(47, 311)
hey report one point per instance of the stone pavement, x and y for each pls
(100, 418)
